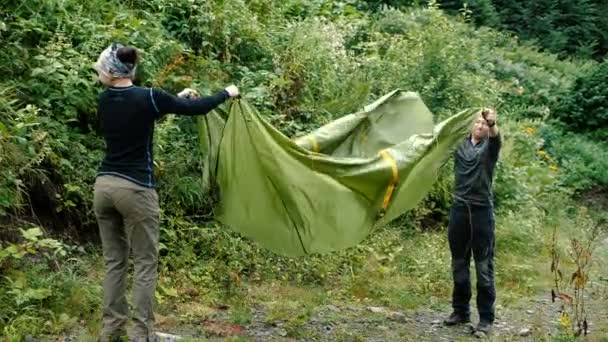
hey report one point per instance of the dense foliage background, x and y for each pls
(301, 63)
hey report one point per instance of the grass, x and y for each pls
(397, 268)
(72, 301)
(411, 278)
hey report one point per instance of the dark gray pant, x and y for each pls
(472, 229)
(128, 218)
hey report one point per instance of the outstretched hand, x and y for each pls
(189, 93)
(232, 90)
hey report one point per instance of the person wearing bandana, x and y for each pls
(125, 200)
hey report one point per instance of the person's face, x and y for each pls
(480, 128)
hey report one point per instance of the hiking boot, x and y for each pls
(113, 338)
(484, 327)
(456, 318)
(152, 338)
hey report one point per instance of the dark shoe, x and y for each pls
(152, 338)
(113, 338)
(456, 318)
(484, 327)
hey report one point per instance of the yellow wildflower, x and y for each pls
(531, 130)
(564, 320)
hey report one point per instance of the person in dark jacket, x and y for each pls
(471, 226)
(125, 200)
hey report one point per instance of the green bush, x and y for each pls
(207, 255)
(35, 297)
(299, 73)
(565, 27)
(534, 82)
(584, 108)
(583, 163)
(315, 77)
(525, 174)
(483, 12)
(23, 147)
(431, 54)
(301, 63)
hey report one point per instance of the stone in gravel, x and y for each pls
(398, 316)
(479, 334)
(282, 332)
(168, 337)
(259, 331)
(375, 309)
(525, 332)
(530, 312)
(437, 321)
(332, 308)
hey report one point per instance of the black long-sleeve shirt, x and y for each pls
(127, 116)
(474, 170)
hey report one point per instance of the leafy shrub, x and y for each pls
(483, 12)
(432, 57)
(301, 63)
(583, 163)
(565, 27)
(209, 255)
(584, 108)
(212, 30)
(534, 82)
(23, 146)
(314, 73)
(35, 297)
(525, 172)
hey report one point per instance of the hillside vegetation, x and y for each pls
(301, 64)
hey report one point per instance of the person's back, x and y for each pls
(127, 123)
(127, 116)
(125, 201)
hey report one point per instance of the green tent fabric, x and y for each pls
(327, 190)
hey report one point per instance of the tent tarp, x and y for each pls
(327, 190)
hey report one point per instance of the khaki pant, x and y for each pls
(128, 218)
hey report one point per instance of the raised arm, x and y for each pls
(495, 141)
(166, 103)
(490, 116)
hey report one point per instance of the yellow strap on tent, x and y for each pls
(314, 143)
(394, 179)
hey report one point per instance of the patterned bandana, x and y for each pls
(109, 63)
